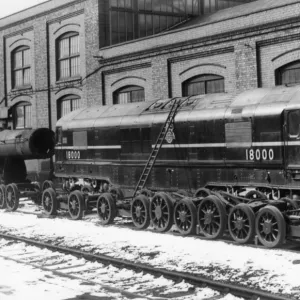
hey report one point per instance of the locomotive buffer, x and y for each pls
(152, 158)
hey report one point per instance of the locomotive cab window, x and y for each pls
(294, 123)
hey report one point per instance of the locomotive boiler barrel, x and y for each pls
(29, 144)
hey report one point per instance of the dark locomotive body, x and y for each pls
(216, 140)
(215, 163)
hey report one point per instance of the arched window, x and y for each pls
(21, 63)
(67, 104)
(22, 115)
(203, 84)
(129, 94)
(68, 56)
(288, 74)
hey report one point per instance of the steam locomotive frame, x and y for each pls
(221, 161)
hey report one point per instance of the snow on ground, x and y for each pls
(270, 270)
(92, 278)
(25, 282)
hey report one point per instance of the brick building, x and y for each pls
(61, 55)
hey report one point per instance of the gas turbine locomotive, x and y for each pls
(213, 160)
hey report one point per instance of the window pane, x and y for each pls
(27, 76)
(156, 4)
(206, 6)
(163, 22)
(179, 6)
(170, 5)
(213, 6)
(195, 7)
(65, 107)
(148, 4)
(122, 27)
(149, 25)
(128, 3)
(19, 117)
(141, 4)
(27, 59)
(18, 78)
(156, 24)
(138, 96)
(114, 27)
(189, 6)
(215, 86)
(64, 48)
(75, 70)
(142, 25)
(294, 122)
(124, 98)
(18, 63)
(129, 21)
(27, 116)
(114, 3)
(64, 68)
(76, 104)
(74, 40)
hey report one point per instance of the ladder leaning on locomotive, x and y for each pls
(208, 162)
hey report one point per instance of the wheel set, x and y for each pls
(207, 209)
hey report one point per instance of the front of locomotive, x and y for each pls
(65, 150)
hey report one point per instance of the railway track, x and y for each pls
(86, 265)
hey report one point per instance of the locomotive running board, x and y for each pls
(152, 158)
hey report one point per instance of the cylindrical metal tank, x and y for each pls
(29, 144)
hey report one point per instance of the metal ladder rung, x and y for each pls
(157, 147)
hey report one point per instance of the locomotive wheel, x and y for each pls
(255, 195)
(47, 184)
(117, 193)
(2, 196)
(140, 212)
(12, 197)
(270, 226)
(185, 216)
(76, 205)
(49, 202)
(212, 217)
(241, 223)
(202, 193)
(106, 208)
(161, 212)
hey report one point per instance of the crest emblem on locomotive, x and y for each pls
(170, 136)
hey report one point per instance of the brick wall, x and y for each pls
(245, 46)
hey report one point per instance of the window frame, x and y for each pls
(125, 90)
(23, 105)
(71, 98)
(205, 78)
(22, 68)
(292, 136)
(295, 65)
(68, 58)
(164, 15)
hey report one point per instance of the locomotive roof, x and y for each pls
(262, 101)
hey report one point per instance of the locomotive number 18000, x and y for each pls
(73, 154)
(259, 154)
